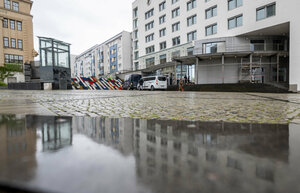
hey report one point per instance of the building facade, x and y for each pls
(16, 46)
(107, 59)
(229, 41)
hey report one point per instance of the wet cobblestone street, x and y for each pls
(198, 106)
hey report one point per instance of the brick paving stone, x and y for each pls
(202, 106)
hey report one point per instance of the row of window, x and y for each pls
(175, 41)
(261, 13)
(13, 59)
(233, 22)
(11, 5)
(13, 43)
(12, 24)
(232, 4)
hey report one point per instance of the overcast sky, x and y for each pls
(83, 23)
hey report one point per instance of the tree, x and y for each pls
(9, 70)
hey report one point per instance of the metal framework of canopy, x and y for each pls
(54, 52)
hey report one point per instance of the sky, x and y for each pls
(82, 23)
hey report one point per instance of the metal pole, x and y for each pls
(180, 70)
(277, 68)
(196, 70)
(223, 69)
(241, 70)
(251, 60)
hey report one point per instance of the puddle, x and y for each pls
(84, 154)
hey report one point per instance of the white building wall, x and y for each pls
(126, 52)
(287, 11)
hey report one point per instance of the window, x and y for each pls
(150, 62)
(5, 23)
(213, 47)
(136, 55)
(135, 23)
(149, 26)
(19, 25)
(175, 12)
(149, 13)
(192, 36)
(135, 12)
(15, 6)
(13, 43)
(191, 20)
(135, 34)
(211, 12)
(20, 44)
(266, 11)
(6, 42)
(191, 4)
(257, 45)
(162, 19)
(176, 41)
(136, 64)
(149, 38)
(163, 45)
(162, 32)
(210, 30)
(232, 4)
(174, 1)
(13, 59)
(162, 6)
(7, 4)
(163, 58)
(176, 27)
(150, 49)
(12, 24)
(236, 21)
(136, 45)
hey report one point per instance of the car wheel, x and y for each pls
(152, 88)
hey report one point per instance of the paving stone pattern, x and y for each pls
(197, 106)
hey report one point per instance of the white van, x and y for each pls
(153, 83)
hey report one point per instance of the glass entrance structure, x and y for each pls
(54, 52)
(55, 63)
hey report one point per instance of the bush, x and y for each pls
(9, 70)
(3, 84)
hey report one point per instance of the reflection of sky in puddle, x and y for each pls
(83, 154)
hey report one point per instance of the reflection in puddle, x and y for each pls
(131, 155)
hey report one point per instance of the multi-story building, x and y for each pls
(16, 46)
(109, 58)
(228, 41)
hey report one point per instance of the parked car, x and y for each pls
(131, 81)
(153, 83)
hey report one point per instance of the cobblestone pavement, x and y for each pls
(201, 106)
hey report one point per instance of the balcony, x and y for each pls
(222, 47)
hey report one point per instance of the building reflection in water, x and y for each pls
(178, 156)
(170, 156)
(116, 133)
(56, 131)
(204, 157)
(17, 148)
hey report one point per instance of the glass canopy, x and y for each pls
(54, 52)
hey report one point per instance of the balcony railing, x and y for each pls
(254, 47)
